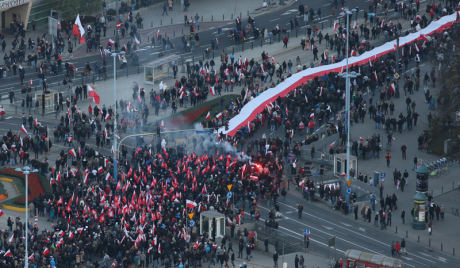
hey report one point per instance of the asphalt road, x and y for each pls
(207, 32)
(324, 223)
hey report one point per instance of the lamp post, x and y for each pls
(115, 132)
(347, 76)
(26, 172)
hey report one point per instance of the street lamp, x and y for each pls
(115, 132)
(26, 172)
(347, 76)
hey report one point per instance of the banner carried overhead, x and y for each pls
(257, 105)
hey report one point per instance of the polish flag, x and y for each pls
(118, 185)
(361, 139)
(393, 138)
(93, 94)
(287, 112)
(370, 62)
(190, 204)
(355, 25)
(78, 29)
(213, 91)
(100, 170)
(111, 42)
(72, 152)
(159, 249)
(392, 88)
(182, 94)
(254, 178)
(306, 99)
(30, 83)
(71, 235)
(137, 41)
(381, 25)
(108, 177)
(332, 144)
(162, 124)
(31, 257)
(23, 129)
(219, 116)
(353, 53)
(107, 117)
(208, 116)
(8, 253)
(335, 26)
(301, 184)
(46, 252)
(312, 115)
(416, 48)
(1, 213)
(375, 76)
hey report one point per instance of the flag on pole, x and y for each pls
(213, 91)
(392, 88)
(78, 29)
(208, 116)
(93, 94)
(23, 129)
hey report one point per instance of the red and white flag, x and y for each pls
(107, 117)
(355, 25)
(108, 177)
(8, 253)
(219, 116)
(392, 88)
(93, 94)
(78, 29)
(100, 170)
(23, 129)
(335, 26)
(213, 91)
(370, 62)
(46, 252)
(1, 213)
(30, 83)
(72, 152)
(190, 204)
(375, 76)
(137, 41)
(208, 116)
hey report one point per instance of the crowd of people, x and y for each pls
(140, 217)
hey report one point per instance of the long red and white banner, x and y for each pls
(248, 112)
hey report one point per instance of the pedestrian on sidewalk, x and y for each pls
(165, 9)
(285, 41)
(403, 150)
(415, 163)
(388, 158)
(403, 216)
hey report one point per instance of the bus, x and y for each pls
(359, 259)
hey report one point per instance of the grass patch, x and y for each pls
(188, 117)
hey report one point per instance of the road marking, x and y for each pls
(349, 230)
(327, 227)
(289, 212)
(312, 228)
(346, 224)
(275, 19)
(362, 229)
(9, 117)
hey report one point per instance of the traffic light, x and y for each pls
(158, 131)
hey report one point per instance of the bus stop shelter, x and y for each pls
(159, 68)
(340, 165)
(213, 223)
